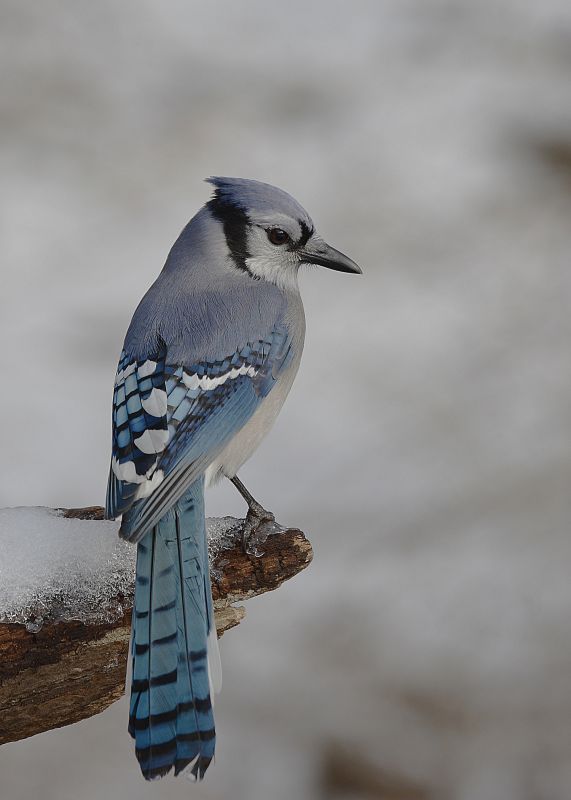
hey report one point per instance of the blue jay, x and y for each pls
(208, 360)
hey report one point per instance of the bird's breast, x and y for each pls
(245, 442)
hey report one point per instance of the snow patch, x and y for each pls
(60, 569)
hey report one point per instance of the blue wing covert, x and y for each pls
(171, 420)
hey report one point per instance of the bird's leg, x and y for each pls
(255, 529)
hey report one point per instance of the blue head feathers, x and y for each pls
(257, 199)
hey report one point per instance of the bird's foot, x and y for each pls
(258, 525)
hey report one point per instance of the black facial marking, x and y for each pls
(234, 221)
(306, 233)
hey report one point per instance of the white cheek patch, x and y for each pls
(283, 272)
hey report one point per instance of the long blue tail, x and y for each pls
(171, 715)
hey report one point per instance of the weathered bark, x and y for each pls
(71, 670)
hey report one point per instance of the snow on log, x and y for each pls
(66, 592)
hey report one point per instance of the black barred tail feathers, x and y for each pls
(171, 715)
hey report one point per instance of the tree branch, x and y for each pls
(69, 669)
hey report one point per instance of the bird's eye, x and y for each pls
(278, 236)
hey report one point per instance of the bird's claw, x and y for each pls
(258, 525)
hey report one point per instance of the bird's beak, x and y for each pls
(321, 253)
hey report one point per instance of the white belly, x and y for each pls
(241, 447)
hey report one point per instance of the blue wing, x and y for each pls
(171, 421)
(139, 417)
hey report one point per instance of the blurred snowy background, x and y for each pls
(426, 653)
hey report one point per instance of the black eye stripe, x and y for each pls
(278, 236)
(235, 223)
(306, 233)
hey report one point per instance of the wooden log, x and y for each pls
(69, 670)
